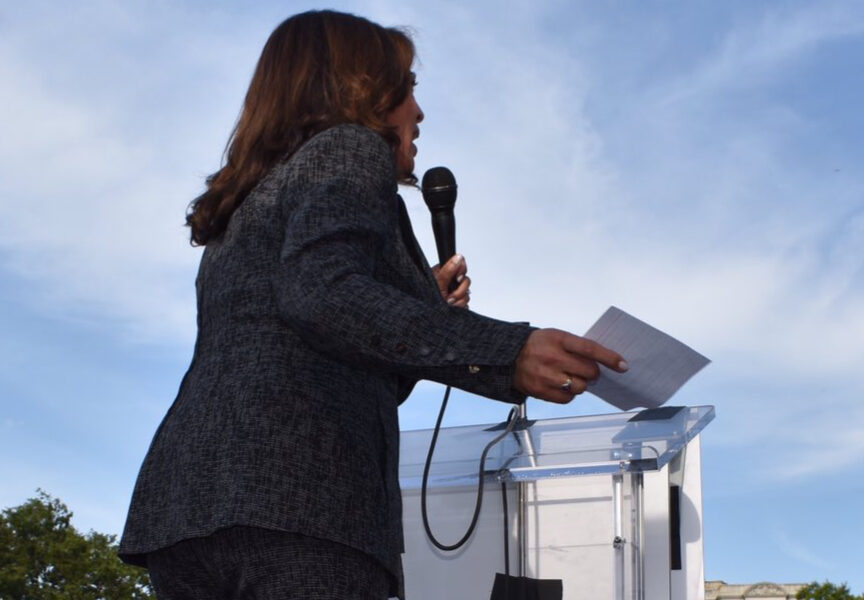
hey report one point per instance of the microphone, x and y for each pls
(439, 193)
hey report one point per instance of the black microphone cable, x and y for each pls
(439, 193)
(512, 419)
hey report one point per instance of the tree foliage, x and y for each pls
(826, 591)
(43, 557)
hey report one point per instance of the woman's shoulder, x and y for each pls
(350, 134)
(352, 154)
(347, 148)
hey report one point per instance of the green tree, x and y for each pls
(43, 557)
(826, 591)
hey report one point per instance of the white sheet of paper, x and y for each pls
(659, 364)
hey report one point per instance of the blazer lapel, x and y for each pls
(424, 271)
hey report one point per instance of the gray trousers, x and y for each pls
(246, 563)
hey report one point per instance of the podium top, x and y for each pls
(565, 447)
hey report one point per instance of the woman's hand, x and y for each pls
(555, 365)
(454, 269)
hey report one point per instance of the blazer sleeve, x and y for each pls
(342, 212)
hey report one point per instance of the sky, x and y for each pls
(695, 163)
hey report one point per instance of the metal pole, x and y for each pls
(638, 541)
(618, 540)
(522, 514)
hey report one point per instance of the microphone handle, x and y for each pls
(444, 229)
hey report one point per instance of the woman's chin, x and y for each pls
(405, 167)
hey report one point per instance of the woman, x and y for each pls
(274, 473)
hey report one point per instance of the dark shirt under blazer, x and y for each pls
(316, 314)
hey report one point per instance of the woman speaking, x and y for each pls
(275, 472)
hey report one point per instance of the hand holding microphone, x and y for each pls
(453, 273)
(439, 193)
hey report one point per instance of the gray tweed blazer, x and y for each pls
(317, 312)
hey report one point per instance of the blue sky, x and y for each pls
(697, 164)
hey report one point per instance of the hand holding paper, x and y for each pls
(659, 364)
(555, 365)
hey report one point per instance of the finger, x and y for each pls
(583, 347)
(580, 367)
(459, 301)
(454, 267)
(449, 271)
(560, 395)
(462, 290)
(570, 384)
(463, 303)
(461, 268)
(560, 387)
(550, 393)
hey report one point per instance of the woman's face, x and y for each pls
(405, 118)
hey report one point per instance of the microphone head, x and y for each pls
(439, 188)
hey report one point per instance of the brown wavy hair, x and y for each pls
(318, 69)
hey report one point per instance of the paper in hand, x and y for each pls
(659, 364)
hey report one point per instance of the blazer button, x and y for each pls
(450, 356)
(473, 369)
(401, 348)
(424, 351)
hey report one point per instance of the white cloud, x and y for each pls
(752, 54)
(82, 215)
(820, 438)
(798, 551)
(97, 169)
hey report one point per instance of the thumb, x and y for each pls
(448, 271)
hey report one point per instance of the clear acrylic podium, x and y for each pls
(609, 505)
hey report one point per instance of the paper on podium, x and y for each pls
(659, 364)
